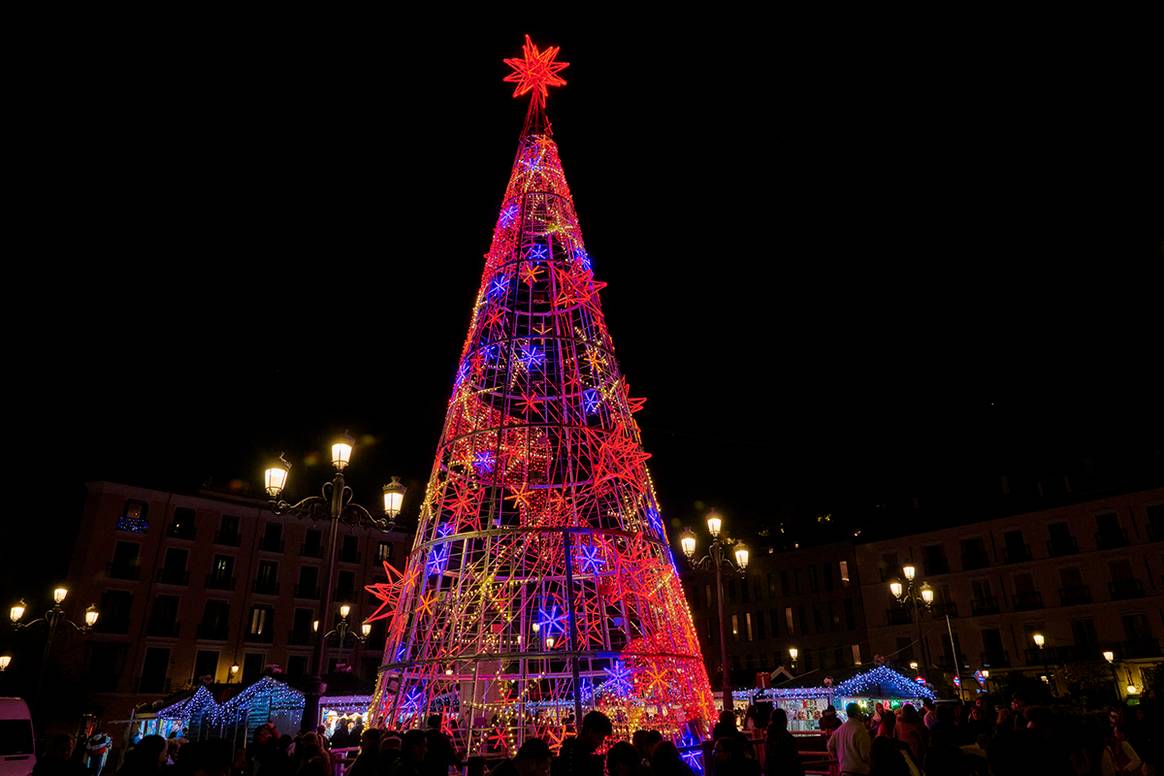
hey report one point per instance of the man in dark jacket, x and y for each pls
(576, 757)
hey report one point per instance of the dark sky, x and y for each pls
(845, 266)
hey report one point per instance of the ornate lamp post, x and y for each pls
(1109, 656)
(717, 559)
(51, 619)
(1040, 642)
(920, 596)
(333, 504)
(793, 653)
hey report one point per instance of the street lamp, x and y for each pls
(51, 619)
(1041, 642)
(717, 560)
(919, 596)
(5, 661)
(334, 504)
(1109, 656)
(233, 671)
(793, 653)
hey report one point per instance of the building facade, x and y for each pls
(1088, 578)
(190, 585)
(808, 598)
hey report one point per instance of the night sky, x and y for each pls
(845, 267)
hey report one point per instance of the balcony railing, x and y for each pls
(1074, 595)
(216, 582)
(267, 586)
(311, 550)
(974, 560)
(266, 637)
(229, 538)
(1111, 539)
(1017, 553)
(1137, 648)
(995, 659)
(173, 576)
(1026, 601)
(899, 616)
(213, 632)
(169, 629)
(981, 606)
(122, 571)
(1125, 588)
(1062, 545)
(299, 637)
(272, 545)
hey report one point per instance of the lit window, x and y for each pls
(735, 627)
(789, 621)
(258, 621)
(845, 572)
(748, 624)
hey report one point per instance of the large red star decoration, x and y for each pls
(535, 71)
(388, 593)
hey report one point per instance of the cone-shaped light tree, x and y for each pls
(540, 584)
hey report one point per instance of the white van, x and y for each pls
(17, 754)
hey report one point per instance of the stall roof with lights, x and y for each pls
(879, 682)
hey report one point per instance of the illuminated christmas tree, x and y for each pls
(540, 584)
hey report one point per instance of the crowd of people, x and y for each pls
(985, 738)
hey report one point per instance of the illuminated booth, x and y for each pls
(805, 705)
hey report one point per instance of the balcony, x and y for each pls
(167, 629)
(899, 616)
(173, 576)
(307, 591)
(213, 632)
(974, 560)
(228, 538)
(311, 550)
(272, 545)
(945, 609)
(979, 607)
(995, 659)
(1074, 595)
(1026, 601)
(299, 638)
(266, 586)
(1111, 539)
(1062, 545)
(1121, 589)
(215, 582)
(1017, 554)
(122, 571)
(1142, 647)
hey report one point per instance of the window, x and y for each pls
(784, 583)
(301, 626)
(261, 624)
(313, 543)
(735, 628)
(384, 552)
(844, 568)
(106, 664)
(252, 669)
(707, 594)
(205, 666)
(791, 626)
(350, 550)
(228, 530)
(126, 561)
(154, 669)
(1025, 594)
(115, 610)
(297, 665)
(163, 616)
(221, 573)
(889, 566)
(850, 618)
(771, 585)
(855, 650)
(1156, 522)
(345, 586)
(215, 621)
(748, 625)
(745, 590)
(974, 554)
(934, 559)
(812, 583)
(1060, 541)
(133, 517)
(1016, 547)
(182, 525)
(1086, 638)
(308, 582)
(1123, 582)
(272, 537)
(174, 567)
(826, 573)
(1136, 628)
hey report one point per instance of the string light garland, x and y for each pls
(541, 583)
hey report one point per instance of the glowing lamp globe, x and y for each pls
(59, 593)
(5, 661)
(687, 542)
(341, 451)
(234, 669)
(91, 616)
(17, 611)
(927, 594)
(366, 629)
(1132, 689)
(714, 525)
(1039, 639)
(793, 653)
(394, 497)
(275, 479)
(742, 556)
(1109, 656)
(896, 588)
(910, 571)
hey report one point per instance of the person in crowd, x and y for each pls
(97, 747)
(622, 759)
(56, 759)
(1119, 758)
(781, 757)
(944, 754)
(726, 726)
(849, 744)
(666, 761)
(367, 762)
(912, 732)
(211, 757)
(829, 721)
(885, 758)
(440, 755)
(731, 757)
(577, 757)
(929, 713)
(533, 759)
(413, 748)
